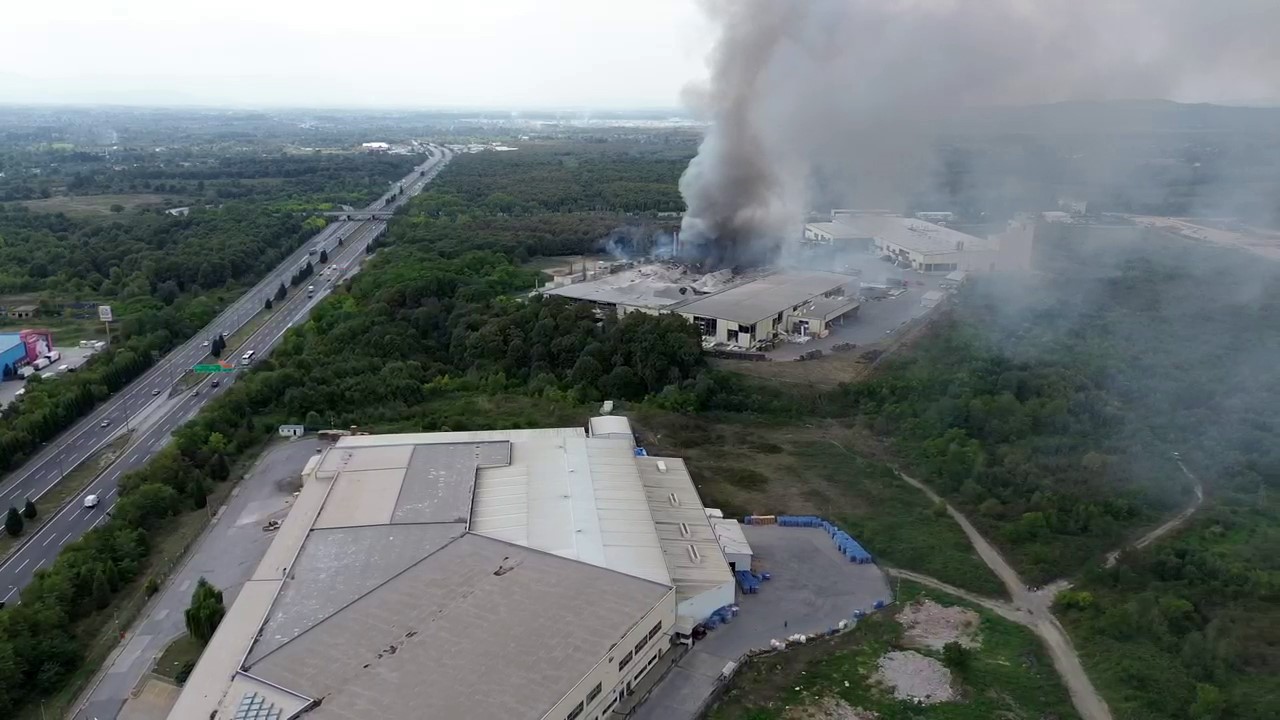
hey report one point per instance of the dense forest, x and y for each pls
(554, 178)
(196, 175)
(164, 276)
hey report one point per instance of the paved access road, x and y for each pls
(144, 404)
(227, 556)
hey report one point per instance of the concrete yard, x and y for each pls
(813, 588)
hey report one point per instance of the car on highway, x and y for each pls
(204, 344)
(213, 384)
(195, 393)
(105, 423)
(91, 501)
(155, 392)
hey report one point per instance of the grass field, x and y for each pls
(1009, 676)
(763, 467)
(97, 205)
(179, 655)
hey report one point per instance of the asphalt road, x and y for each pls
(145, 407)
(227, 556)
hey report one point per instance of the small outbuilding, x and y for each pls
(292, 431)
(737, 551)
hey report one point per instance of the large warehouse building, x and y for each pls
(791, 302)
(931, 248)
(486, 575)
(13, 354)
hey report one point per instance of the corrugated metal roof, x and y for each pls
(692, 553)
(574, 496)
(760, 299)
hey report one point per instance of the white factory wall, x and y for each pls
(614, 682)
(739, 561)
(698, 608)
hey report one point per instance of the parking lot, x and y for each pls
(72, 357)
(813, 588)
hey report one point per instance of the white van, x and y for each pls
(246, 358)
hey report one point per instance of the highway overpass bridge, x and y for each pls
(358, 214)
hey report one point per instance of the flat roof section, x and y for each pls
(763, 298)
(839, 231)
(440, 480)
(916, 235)
(338, 566)
(652, 287)
(481, 629)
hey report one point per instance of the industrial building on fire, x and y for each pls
(791, 302)
(486, 575)
(737, 311)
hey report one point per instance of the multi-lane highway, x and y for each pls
(146, 402)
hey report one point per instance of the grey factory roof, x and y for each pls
(838, 230)
(757, 300)
(922, 237)
(479, 629)
(475, 575)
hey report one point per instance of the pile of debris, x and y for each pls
(930, 625)
(916, 677)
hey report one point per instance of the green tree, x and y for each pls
(29, 510)
(205, 612)
(281, 292)
(267, 305)
(13, 522)
(218, 468)
(1209, 704)
(101, 590)
(956, 656)
(324, 256)
(117, 208)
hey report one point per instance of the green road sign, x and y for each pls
(213, 368)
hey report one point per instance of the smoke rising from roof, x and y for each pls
(843, 100)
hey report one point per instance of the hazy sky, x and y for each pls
(503, 53)
(476, 53)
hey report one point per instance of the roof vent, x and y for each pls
(673, 499)
(694, 555)
(684, 529)
(662, 466)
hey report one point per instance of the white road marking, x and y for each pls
(15, 492)
(24, 564)
(46, 541)
(65, 539)
(37, 567)
(11, 592)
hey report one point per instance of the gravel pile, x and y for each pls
(928, 624)
(913, 676)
